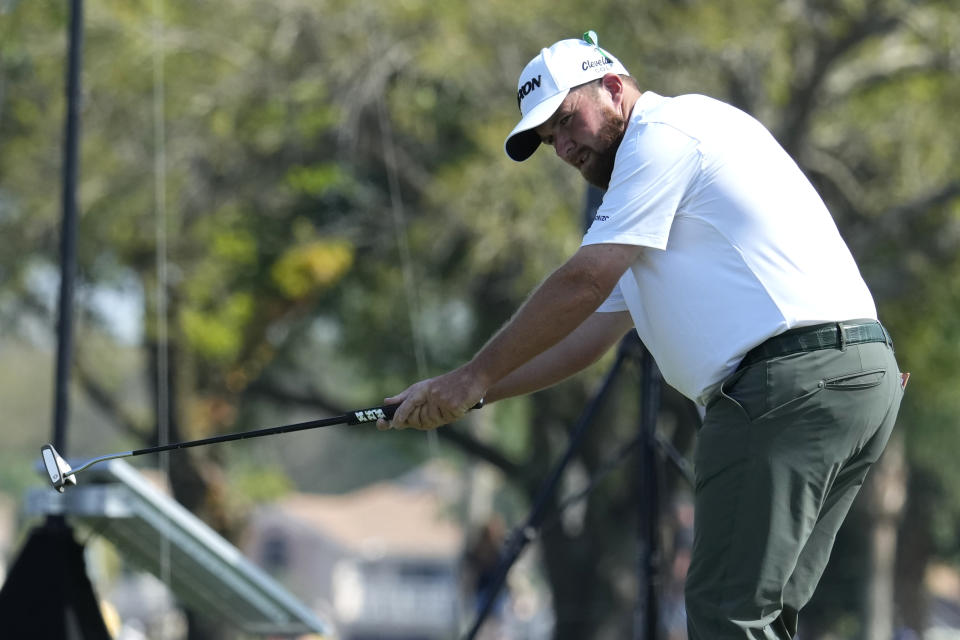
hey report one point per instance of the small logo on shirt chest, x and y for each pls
(601, 218)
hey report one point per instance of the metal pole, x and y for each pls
(68, 232)
(645, 614)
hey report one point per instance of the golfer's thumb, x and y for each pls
(397, 399)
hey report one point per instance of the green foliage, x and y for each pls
(308, 268)
(257, 484)
(217, 334)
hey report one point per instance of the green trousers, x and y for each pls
(783, 451)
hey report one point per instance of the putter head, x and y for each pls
(57, 468)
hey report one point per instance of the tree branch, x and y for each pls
(827, 168)
(857, 84)
(827, 51)
(107, 402)
(98, 395)
(896, 218)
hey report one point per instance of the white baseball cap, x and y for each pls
(547, 80)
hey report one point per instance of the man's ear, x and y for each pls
(614, 86)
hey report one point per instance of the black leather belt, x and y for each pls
(832, 335)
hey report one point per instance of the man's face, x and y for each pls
(586, 131)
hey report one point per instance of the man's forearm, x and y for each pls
(559, 305)
(580, 349)
(556, 308)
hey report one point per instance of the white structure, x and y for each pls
(387, 557)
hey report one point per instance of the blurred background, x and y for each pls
(293, 208)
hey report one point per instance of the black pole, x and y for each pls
(645, 614)
(68, 232)
(528, 532)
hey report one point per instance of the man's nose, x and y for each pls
(563, 146)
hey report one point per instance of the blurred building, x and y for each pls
(382, 561)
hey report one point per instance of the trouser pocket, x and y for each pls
(762, 388)
(856, 380)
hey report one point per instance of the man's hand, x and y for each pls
(435, 402)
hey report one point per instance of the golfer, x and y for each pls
(712, 244)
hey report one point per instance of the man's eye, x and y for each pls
(565, 119)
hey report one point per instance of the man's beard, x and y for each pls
(599, 167)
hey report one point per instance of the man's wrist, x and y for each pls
(478, 373)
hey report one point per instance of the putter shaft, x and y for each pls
(61, 472)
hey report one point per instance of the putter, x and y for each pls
(61, 473)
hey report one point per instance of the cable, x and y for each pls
(406, 257)
(160, 215)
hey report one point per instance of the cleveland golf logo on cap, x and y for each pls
(590, 64)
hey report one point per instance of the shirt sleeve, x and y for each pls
(653, 172)
(614, 302)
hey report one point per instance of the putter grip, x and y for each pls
(386, 412)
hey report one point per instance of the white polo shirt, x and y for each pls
(741, 247)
